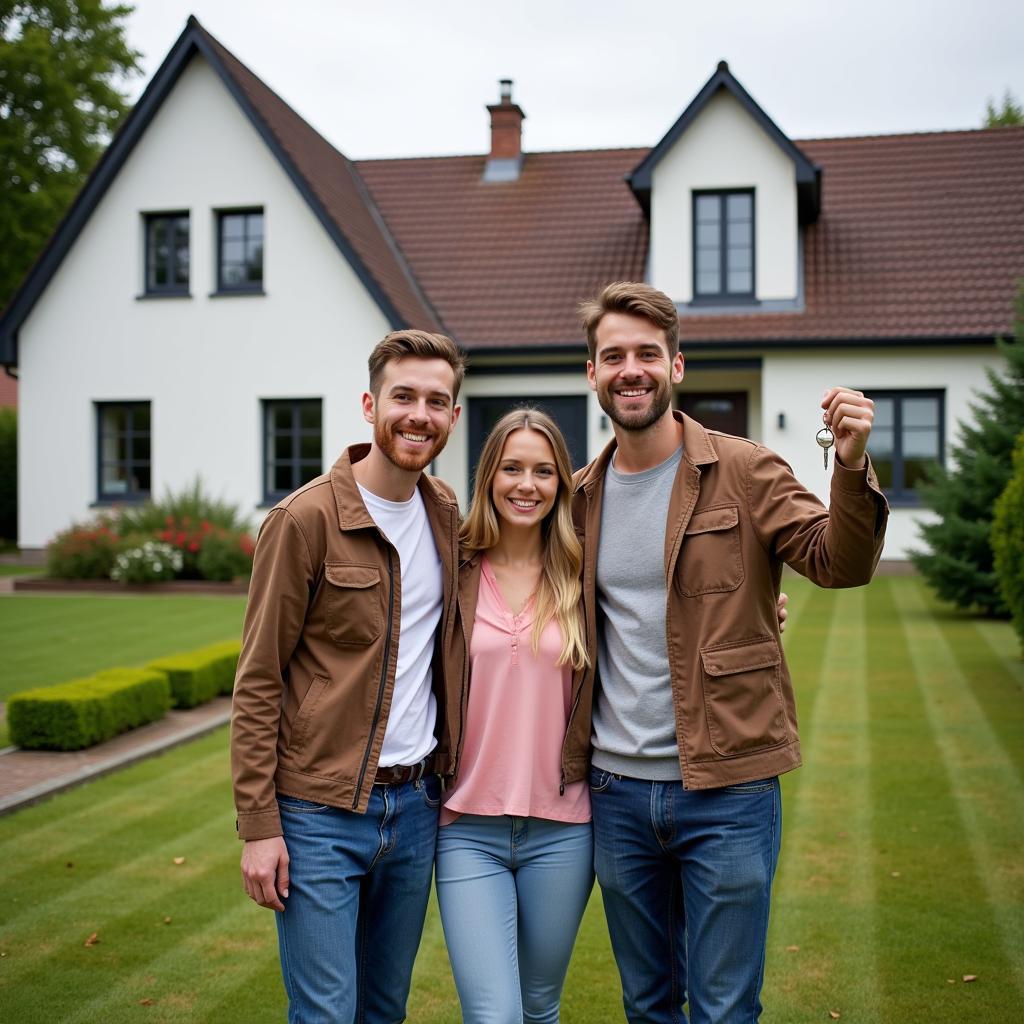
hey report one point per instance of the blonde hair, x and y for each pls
(559, 592)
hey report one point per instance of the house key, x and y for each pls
(825, 439)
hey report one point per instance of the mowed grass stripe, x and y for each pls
(59, 834)
(934, 921)
(213, 955)
(1005, 645)
(986, 788)
(827, 837)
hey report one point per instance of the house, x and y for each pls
(208, 304)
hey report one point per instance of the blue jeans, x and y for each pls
(512, 892)
(359, 885)
(686, 879)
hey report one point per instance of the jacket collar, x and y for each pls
(697, 450)
(352, 514)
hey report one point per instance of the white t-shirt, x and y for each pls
(409, 736)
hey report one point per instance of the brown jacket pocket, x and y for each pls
(354, 601)
(742, 699)
(710, 561)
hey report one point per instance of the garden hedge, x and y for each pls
(200, 675)
(82, 712)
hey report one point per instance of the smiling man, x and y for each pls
(686, 532)
(341, 723)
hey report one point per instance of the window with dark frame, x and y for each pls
(123, 451)
(167, 253)
(240, 250)
(293, 445)
(723, 246)
(907, 437)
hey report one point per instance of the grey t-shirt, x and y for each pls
(634, 718)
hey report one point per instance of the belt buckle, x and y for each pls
(418, 771)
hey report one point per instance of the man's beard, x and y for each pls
(638, 419)
(384, 439)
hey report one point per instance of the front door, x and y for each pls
(568, 411)
(717, 410)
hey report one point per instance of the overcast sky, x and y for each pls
(411, 77)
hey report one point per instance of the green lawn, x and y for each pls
(20, 570)
(48, 639)
(902, 866)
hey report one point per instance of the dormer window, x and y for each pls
(723, 246)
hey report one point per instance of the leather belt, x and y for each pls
(395, 775)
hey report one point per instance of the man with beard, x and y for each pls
(686, 531)
(341, 722)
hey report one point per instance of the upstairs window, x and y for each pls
(167, 253)
(123, 451)
(723, 246)
(293, 445)
(906, 439)
(240, 251)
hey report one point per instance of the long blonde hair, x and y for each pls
(559, 592)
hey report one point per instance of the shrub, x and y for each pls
(86, 711)
(8, 474)
(147, 562)
(201, 675)
(225, 555)
(1008, 541)
(85, 552)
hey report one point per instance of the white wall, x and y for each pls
(204, 363)
(724, 148)
(793, 383)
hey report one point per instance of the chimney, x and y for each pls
(506, 156)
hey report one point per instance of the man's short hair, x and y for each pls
(399, 344)
(637, 299)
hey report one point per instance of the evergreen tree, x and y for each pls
(1010, 113)
(1008, 542)
(959, 563)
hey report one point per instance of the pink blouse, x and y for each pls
(518, 710)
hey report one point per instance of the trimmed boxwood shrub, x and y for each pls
(200, 675)
(82, 712)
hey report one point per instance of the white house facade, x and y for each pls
(208, 305)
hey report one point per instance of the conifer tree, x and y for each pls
(958, 564)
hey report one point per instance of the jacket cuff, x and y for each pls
(853, 481)
(259, 824)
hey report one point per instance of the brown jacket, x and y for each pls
(320, 646)
(736, 515)
(575, 758)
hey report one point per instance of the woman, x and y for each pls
(514, 856)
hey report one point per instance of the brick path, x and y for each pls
(27, 776)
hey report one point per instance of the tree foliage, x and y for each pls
(1010, 113)
(62, 64)
(959, 562)
(1008, 541)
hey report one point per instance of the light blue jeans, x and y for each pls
(512, 892)
(359, 885)
(686, 878)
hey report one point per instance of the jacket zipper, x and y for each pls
(383, 677)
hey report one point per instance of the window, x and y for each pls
(723, 246)
(123, 451)
(293, 445)
(240, 251)
(167, 254)
(906, 438)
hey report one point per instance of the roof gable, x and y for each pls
(326, 179)
(808, 176)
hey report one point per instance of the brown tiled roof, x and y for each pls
(336, 184)
(505, 262)
(920, 237)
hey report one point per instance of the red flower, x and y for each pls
(193, 546)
